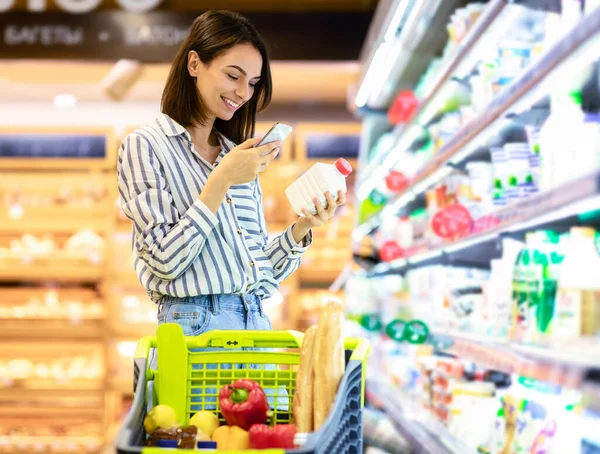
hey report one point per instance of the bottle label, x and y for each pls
(567, 315)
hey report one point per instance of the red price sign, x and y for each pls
(485, 223)
(403, 108)
(396, 181)
(453, 221)
(390, 251)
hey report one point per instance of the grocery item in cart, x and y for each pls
(315, 182)
(303, 397)
(328, 359)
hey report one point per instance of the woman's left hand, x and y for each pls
(324, 215)
(303, 225)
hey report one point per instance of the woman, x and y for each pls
(199, 237)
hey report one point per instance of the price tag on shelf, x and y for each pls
(396, 181)
(395, 330)
(403, 108)
(416, 332)
(453, 221)
(390, 251)
(371, 322)
(484, 224)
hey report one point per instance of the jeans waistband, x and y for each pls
(215, 303)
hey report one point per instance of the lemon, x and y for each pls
(161, 416)
(205, 421)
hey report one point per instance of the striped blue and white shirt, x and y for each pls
(180, 247)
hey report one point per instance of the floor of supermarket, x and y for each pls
(451, 305)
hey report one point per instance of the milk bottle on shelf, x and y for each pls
(315, 182)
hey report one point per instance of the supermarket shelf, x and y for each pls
(50, 329)
(24, 444)
(12, 270)
(121, 386)
(569, 200)
(425, 437)
(10, 386)
(133, 331)
(564, 363)
(56, 220)
(461, 145)
(371, 175)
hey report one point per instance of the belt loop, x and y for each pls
(215, 304)
(258, 302)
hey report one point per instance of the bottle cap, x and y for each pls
(343, 167)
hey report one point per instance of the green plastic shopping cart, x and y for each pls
(188, 380)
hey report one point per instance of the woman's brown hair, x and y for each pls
(211, 35)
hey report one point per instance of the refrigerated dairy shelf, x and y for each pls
(524, 88)
(368, 178)
(563, 363)
(423, 436)
(571, 199)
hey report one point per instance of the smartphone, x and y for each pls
(278, 131)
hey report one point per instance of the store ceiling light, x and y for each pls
(374, 75)
(65, 100)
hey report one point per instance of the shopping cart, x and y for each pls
(188, 380)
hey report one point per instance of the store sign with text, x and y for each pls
(79, 6)
(154, 36)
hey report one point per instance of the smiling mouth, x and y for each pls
(233, 105)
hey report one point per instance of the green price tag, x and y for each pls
(395, 330)
(371, 322)
(416, 332)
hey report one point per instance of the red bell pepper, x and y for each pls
(243, 404)
(280, 436)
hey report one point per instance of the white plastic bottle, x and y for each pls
(315, 182)
(577, 310)
(557, 149)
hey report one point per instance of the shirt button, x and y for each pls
(239, 232)
(144, 251)
(228, 200)
(294, 252)
(252, 264)
(248, 288)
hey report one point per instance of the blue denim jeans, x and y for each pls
(200, 314)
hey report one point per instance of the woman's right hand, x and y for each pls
(244, 162)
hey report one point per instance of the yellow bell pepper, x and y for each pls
(231, 438)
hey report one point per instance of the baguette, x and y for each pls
(303, 397)
(329, 360)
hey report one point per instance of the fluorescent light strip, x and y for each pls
(432, 179)
(373, 73)
(397, 19)
(389, 211)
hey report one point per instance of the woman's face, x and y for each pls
(227, 82)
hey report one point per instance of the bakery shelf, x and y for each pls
(50, 329)
(10, 386)
(570, 200)
(54, 220)
(24, 444)
(564, 363)
(63, 270)
(525, 91)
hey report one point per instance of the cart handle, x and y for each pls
(250, 339)
(246, 339)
